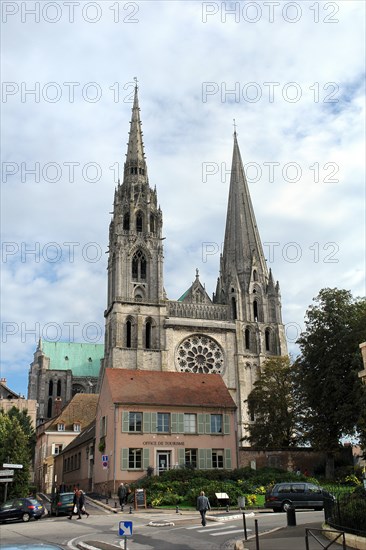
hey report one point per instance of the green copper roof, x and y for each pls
(81, 359)
(183, 295)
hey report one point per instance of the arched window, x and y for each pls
(126, 221)
(148, 329)
(49, 408)
(139, 222)
(247, 338)
(50, 387)
(267, 336)
(233, 308)
(139, 266)
(255, 310)
(128, 334)
(58, 388)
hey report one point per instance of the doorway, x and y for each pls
(163, 460)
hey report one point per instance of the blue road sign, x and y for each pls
(125, 528)
(104, 458)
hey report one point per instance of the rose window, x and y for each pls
(200, 354)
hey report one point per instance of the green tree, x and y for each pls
(272, 404)
(26, 424)
(15, 449)
(327, 371)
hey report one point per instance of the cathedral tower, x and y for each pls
(246, 285)
(135, 264)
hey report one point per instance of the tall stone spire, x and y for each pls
(245, 284)
(135, 163)
(242, 242)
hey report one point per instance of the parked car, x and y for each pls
(62, 503)
(21, 508)
(299, 495)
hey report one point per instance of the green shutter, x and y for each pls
(202, 459)
(181, 423)
(181, 456)
(124, 459)
(154, 423)
(207, 423)
(147, 422)
(145, 458)
(125, 421)
(201, 423)
(208, 459)
(226, 424)
(174, 423)
(227, 459)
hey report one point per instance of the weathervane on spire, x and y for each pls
(234, 123)
(136, 81)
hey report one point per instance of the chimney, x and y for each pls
(3, 381)
(58, 406)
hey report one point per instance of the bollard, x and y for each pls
(130, 509)
(291, 516)
(106, 500)
(115, 504)
(177, 510)
(245, 527)
(227, 508)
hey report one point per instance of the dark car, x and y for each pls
(62, 503)
(21, 508)
(299, 495)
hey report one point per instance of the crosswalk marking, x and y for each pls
(216, 528)
(229, 532)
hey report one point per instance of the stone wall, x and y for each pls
(290, 460)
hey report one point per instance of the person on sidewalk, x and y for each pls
(82, 503)
(122, 495)
(75, 504)
(203, 504)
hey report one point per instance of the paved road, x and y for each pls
(148, 533)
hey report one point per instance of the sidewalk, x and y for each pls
(289, 538)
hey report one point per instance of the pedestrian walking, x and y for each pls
(203, 504)
(76, 505)
(122, 495)
(82, 503)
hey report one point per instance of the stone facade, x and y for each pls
(59, 371)
(231, 334)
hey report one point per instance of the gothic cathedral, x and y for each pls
(231, 334)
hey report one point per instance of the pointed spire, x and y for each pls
(135, 158)
(242, 241)
(135, 149)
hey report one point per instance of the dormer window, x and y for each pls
(66, 358)
(77, 427)
(90, 359)
(61, 427)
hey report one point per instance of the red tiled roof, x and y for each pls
(81, 409)
(168, 388)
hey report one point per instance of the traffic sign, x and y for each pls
(12, 465)
(6, 479)
(104, 458)
(6, 472)
(125, 528)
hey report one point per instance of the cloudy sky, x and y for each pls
(291, 74)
